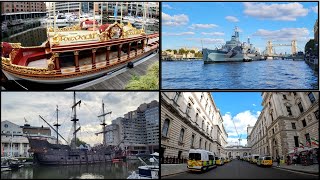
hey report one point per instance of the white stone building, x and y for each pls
(190, 120)
(287, 119)
(14, 141)
(237, 151)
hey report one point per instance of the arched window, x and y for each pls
(200, 143)
(202, 126)
(181, 135)
(188, 109)
(205, 145)
(176, 96)
(197, 117)
(209, 146)
(165, 128)
(192, 140)
(207, 128)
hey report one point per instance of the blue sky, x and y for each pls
(242, 107)
(185, 24)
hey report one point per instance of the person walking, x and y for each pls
(278, 161)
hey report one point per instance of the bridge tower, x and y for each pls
(294, 47)
(269, 48)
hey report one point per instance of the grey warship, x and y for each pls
(232, 51)
(58, 154)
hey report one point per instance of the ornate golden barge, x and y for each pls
(75, 54)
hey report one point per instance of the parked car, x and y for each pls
(265, 161)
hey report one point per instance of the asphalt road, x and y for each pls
(243, 170)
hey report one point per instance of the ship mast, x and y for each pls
(104, 122)
(57, 126)
(73, 143)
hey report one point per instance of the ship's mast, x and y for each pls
(103, 124)
(57, 126)
(73, 144)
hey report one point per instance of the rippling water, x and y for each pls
(119, 170)
(270, 74)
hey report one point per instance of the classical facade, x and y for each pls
(190, 120)
(14, 141)
(137, 131)
(288, 119)
(237, 151)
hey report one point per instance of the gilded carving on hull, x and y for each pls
(61, 38)
(15, 45)
(6, 65)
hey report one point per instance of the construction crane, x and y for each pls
(237, 133)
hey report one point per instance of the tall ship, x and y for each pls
(59, 154)
(232, 51)
(77, 53)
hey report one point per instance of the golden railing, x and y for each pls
(71, 28)
(6, 65)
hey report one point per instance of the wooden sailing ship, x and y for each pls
(59, 154)
(76, 53)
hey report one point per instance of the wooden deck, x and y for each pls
(119, 81)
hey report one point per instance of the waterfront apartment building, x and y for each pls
(288, 119)
(14, 138)
(190, 120)
(151, 9)
(137, 131)
(16, 7)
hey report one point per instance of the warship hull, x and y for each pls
(215, 56)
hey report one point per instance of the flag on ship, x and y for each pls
(314, 142)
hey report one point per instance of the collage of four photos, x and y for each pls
(159, 90)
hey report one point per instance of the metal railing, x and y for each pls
(173, 160)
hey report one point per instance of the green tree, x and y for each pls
(175, 51)
(79, 142)
(169, 50)
(310, 45)
(182, 51)
(192, 51)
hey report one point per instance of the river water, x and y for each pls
(110, 170)
(269, 74)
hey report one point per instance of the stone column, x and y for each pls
(76, 60)
(129, 49)
(93, 61)
(57, 62)
(119, 52)
(107, 56)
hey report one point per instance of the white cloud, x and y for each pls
(202, 26)
(167, 6)
(178, 34)
(17, 105)
(213, 33)
(285, 34)
(232, 19)
(207, 40)
(241, 121)
(254, 105)
(175, 20)
(315, 9)
(281, 12)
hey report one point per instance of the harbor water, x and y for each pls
(120, 170)
(269, 74)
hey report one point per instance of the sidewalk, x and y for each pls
(171, 169)
(312, 169)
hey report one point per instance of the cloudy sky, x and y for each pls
(187, 24)
(15, 106)
(242, 109)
